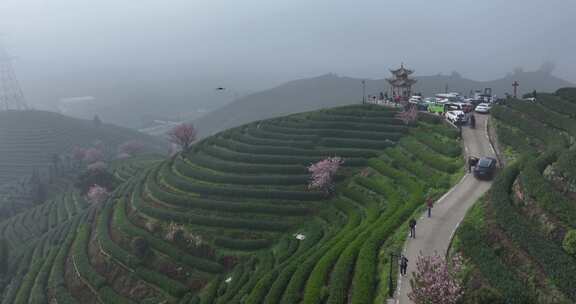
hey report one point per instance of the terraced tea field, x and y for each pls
(29, 139)
(515, 240)
(232, 220)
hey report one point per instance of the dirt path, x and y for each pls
(434, 234)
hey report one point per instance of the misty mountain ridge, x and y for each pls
(332, 90)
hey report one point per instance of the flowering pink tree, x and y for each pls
(183, 135)
(93, 155)
(323, 172)
(78, 153)
(409, 115)
(434, 280)
(97, 194)
(131, 147)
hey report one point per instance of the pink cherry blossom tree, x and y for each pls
(322, 174)
(97, 194)
(78, 153)
(183, 135)
(409, 115)
(435, 281)
(93, 155)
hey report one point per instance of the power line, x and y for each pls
(11, 95)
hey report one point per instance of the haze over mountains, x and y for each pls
(333, 90)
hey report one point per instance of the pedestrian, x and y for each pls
(472, 161)
(430, 204)
(403, 265)
(472, 121)
(412, 225)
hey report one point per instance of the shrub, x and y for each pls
(567, 93)
(203, 174)
(528, 125)
(121, 220)
(552, 119)
(556, 263)
(557, 104)
(238, 244)
(569, 243)
(474, 245)
(82, 261)
(140, 247)
(332, 117)
(543, 192)
(96, 177)
(438, 143)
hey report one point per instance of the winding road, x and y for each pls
(434, 234)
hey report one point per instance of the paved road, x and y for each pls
(434, 234)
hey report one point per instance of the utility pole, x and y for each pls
(11, 95)
(515, 85)
(363, 91)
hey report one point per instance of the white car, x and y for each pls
(456, 117)
(483, 108)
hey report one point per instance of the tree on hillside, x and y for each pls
(96, 176)
(434, 280)
(409, 115)
(96, 121)
(183, 135)
(323, 172)
(97, 194)
(93, 155)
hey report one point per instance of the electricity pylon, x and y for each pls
(11, 95)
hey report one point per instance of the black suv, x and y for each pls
(485, 168)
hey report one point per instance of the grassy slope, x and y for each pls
(513, 238)
(239, 197)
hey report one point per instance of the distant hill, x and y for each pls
(332, 90)
(29, 139)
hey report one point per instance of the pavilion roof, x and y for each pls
(397, 82)
(402, 71)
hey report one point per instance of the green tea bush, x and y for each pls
(557, 264)
(203, 174)
(214, 163)
(529, 125)
(569, 242)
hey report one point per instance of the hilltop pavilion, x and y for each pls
(401, 83)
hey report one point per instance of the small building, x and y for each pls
(401, 83)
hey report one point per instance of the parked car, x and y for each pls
(483, 108)
(485, 168)
(456, 117)
(436, 108)
(463, 106)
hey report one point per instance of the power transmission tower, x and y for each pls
(11, 95)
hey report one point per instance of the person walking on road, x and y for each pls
(472, 162)
(403, 265)
(430, 204)
(412, 225)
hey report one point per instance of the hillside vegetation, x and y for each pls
(520, 241)
(30, 139)
(232, 220)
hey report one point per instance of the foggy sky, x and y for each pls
(255, 44)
